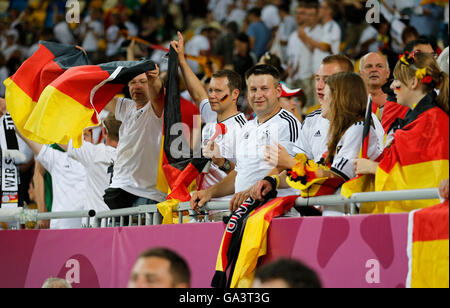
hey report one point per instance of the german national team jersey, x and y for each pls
(349, 147)
(313, 135)
(283, 128)
(226, 143)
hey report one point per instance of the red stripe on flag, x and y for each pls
(432, 223)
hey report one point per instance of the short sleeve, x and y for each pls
(348, 150)
(121, 109)
(49, 157)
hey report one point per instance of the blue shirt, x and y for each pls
(261, 34)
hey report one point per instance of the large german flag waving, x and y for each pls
(68, 94)
(25, 87)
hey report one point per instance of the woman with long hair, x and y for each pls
(345, 106)
(417, 151)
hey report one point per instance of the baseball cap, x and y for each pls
(286, 92)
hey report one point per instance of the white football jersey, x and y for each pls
(284, 129)
(349, 147)
(313, 135)
(226, 143)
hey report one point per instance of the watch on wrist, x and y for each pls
(226, 166)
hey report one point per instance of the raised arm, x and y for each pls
(34, 146)
(193, 84)
(155, 86)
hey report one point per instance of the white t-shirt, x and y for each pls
(331, 35)
(97, 159)
(90, 42)
(284, 129)
(69, 185)
(140, 135)
(299, 57)
(226, 143)
(270, 16)
(193, 47)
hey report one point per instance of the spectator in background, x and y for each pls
(299, 55)
(200, 45)
(90, 31)
(243, 59)
(286, 273)
(285, 28)
(374, 70)
(329, 40)
(426, 18)
(56, 283)
(422, 45)
(409, 34)
(257, 32)
(270, 14)
(292, 100)
(114, 38)
(224, 46)
(61, 30)
(160, 268)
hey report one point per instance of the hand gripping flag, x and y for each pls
(245, 240)
(428, 247)
(179, 165)
(70, 96)
(362, 183)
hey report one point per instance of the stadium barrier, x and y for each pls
(149, 214)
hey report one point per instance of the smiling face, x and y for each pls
(139, 90)
(263, 94)
(219, 94)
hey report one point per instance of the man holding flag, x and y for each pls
(135, 175)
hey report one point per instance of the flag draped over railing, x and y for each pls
(428, 247)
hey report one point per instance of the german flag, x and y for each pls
(365, 182)
(428, 247)
(254, 239)
(25, 87)
(417, 158)
(180, 166)
(70, 102)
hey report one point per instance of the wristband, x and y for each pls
(274, 180)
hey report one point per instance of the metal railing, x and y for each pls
(149, 214)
